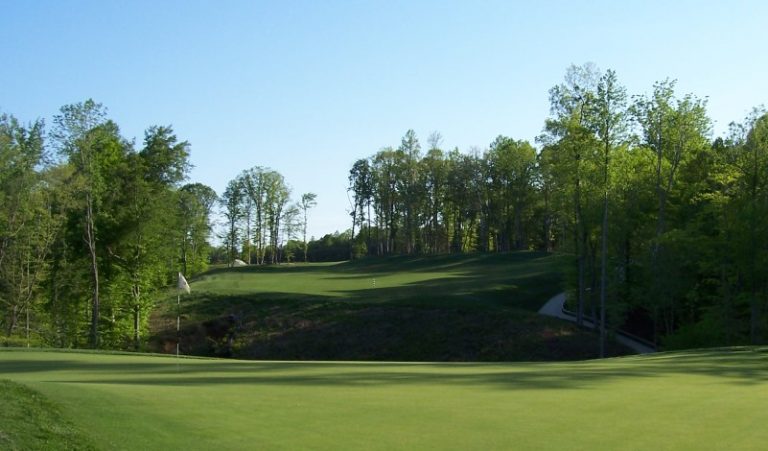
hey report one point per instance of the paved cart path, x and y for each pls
(554, 308)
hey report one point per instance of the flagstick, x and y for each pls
(178, 323)
(181, 285)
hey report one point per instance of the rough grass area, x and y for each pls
(29, 421)
(446, 308)
(697, 400)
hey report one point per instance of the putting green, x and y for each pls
(712, 399)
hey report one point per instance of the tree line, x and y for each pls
(262, 224)
(665, 227)
(406, 202)
(92, 227)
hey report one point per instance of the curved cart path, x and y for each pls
(554, 308)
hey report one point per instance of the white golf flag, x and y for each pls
(183, 285)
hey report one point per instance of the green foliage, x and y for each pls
(196, 203)
(512, 171)
(232, 201)
(90, 239)
(706, 332)
(332, 247)
(28, 225)
(308, 200)
(257, 208)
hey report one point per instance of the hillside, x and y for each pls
(447, 308)
(698, 400)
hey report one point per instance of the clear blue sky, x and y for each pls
(306, 88)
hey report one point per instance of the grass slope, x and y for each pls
(30, 421)
(446, 308)
(711, 399)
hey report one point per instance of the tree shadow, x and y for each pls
(405, 324)
(745, 367)
(482, 308)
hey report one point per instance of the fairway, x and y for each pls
(522, 279)
(693, 400)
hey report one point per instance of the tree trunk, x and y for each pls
(727, 304)
(518, 227)
(184, 257)
(352, 238)
(755, 313)
(547, 223)
(136, 326)
(581, 251)
(184, 245)
(368, 232)
(603, 273)
(90, 236)
(304, 234)
(13, 317)
(604, 249)
(248, 235)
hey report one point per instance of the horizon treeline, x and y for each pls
(93, 227)
(666, 227)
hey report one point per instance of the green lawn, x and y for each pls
(693, 400)
(521, 279)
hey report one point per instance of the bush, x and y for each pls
(703, 334)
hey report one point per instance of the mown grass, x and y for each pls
(446, 308)
(29, 421)
(521, 279)
(698, 400)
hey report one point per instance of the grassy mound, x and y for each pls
(30, 421)
(697, 400)
(446, 308)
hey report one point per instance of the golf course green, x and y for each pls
(708, 399)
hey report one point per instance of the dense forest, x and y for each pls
(664, 224)
(92, 228)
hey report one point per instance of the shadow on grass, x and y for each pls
(509, 261)
(446, 262)
(741, 367)
(271, 269)
(476, 307)
(523, 280)
(423, 326)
